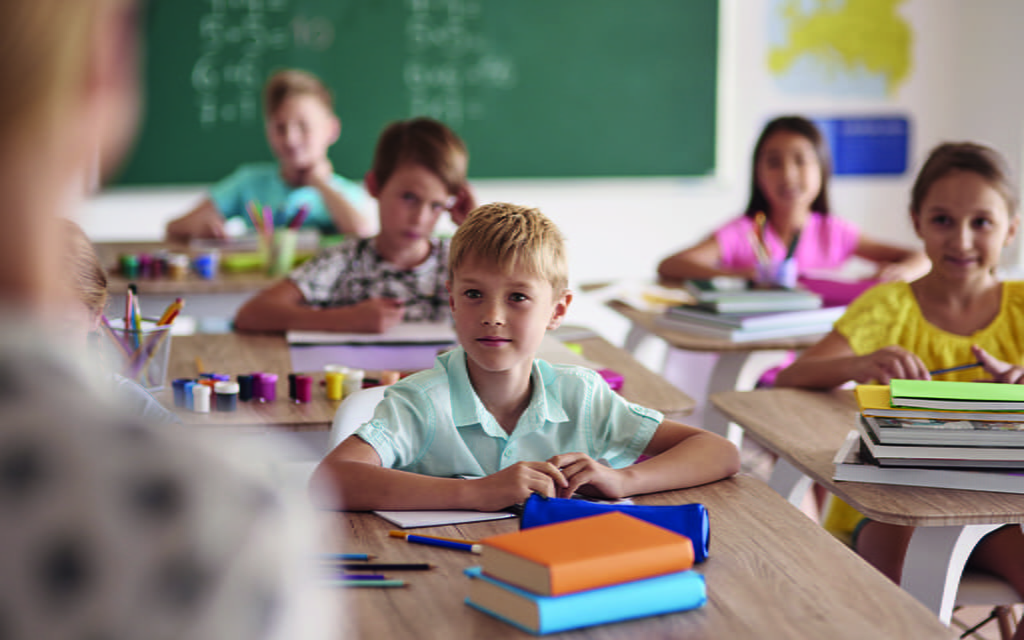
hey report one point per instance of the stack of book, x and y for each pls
(585, 572)
(730, 309)
(956, 435)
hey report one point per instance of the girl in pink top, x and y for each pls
(789, 199)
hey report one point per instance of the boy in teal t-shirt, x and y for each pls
(300, 126)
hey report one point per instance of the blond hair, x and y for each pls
(88, 279)
(43, 61)
(288, 83)
(425, 142)
(515, 238)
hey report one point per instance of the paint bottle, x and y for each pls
(226, 395)
(353, 381)
(268, 387)
(335, 384)
(245, 387)
(179, 391)
(201, 398)
(303, 388)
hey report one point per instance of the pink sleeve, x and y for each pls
(734, 244)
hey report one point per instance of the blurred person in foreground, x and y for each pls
(109, 528)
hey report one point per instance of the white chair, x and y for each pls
(979, 589)
(354, 411)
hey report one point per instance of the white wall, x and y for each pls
(965, 83)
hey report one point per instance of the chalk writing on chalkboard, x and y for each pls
(449, 63)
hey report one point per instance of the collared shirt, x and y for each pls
(353, 271)
(434, 423)
(262, 182)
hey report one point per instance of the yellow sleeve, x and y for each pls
(879, 317)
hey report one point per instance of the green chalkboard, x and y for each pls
(537, 88)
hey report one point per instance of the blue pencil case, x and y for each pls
(690, 520)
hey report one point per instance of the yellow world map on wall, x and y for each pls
(860, 48)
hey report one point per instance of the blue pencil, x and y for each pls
(447, 544)
(961, 367)
(346, 556)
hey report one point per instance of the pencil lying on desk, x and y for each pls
(365, 583)
(336, 557)
(434, 541)
(381, 566)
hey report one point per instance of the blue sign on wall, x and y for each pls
(867, 146)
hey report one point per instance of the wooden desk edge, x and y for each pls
(840, 487)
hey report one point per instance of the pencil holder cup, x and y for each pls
(778, 273)
(282, 252)
(142, 355)
(785, 275)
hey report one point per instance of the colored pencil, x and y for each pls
(365, 583)
(361, 576)
(171, 312)
(380, 566)
(792, 245)
(395, 533)
(346, 556)
(299, 217)
(961, 367)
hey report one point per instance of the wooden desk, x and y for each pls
(737, 365)
(772, 574)
(240, 353)
(806, 428)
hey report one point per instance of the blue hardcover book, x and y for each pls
(690, 520)
(538, 614)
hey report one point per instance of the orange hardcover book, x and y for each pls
(586, 553)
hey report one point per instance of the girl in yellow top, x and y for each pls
(964, 209)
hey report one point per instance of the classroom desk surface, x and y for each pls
(738, 365)
(237, 353)
(225, 282)
(771, 574)
(806, 428)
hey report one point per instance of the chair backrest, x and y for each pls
(355, 410)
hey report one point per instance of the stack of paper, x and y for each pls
(585, 572)
(960, 435)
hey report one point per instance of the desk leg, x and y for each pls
(935, 562)
(790, 482)
(736, 371)
(635, 336)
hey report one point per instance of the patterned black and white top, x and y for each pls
(113, 529)
(353, 271)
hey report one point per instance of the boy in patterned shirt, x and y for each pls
(371, 284)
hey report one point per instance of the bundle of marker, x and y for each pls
(358, 571)
(262, 220)
(138, 354)
(299, 217)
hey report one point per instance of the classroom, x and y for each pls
(946, 75)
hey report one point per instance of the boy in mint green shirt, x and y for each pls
(300, 126)
(491, 410)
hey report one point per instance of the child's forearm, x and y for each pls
(346, 217)
(360, 486)
(683, 268)
(817, 373)
(699, 459)
(278, 316)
